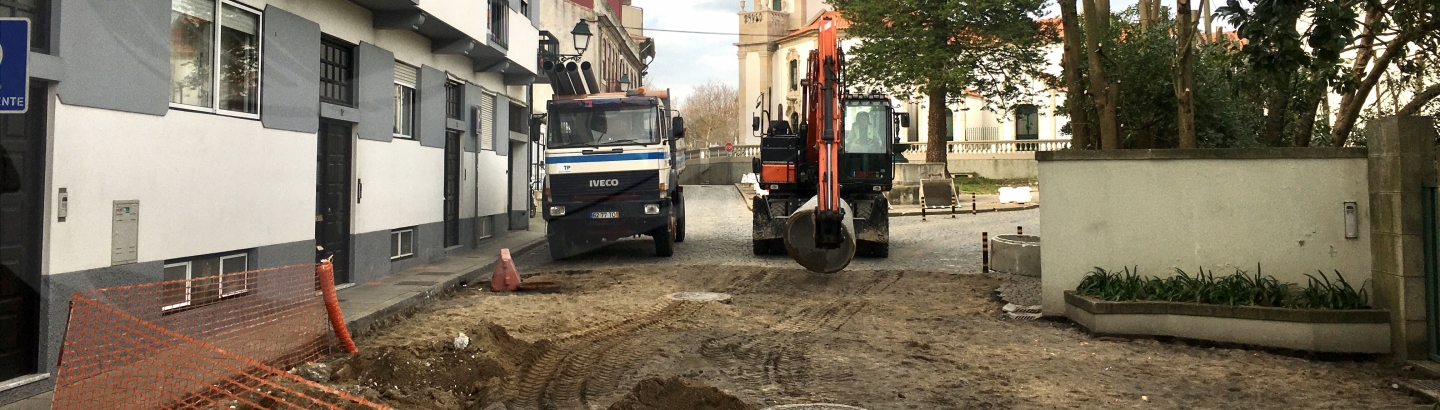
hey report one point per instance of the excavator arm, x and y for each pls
(820, 235)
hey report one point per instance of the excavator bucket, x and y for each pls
(801, 242)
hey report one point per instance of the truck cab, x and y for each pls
(612, 164)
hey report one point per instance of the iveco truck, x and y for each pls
(612, 165)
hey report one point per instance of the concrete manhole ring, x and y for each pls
(701, 296)
(813, 406)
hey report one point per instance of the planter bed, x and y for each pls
(1317, 330)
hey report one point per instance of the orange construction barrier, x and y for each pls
(332, 305)
(215, 340)
(505, 279)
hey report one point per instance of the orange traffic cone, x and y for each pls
(505, 277)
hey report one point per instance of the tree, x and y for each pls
(1389, 31)
(942, 48)
(1073, 69)
(1405, 23)
(1140, 62)
(1104, 93)
(1185, 73)
(710, 111)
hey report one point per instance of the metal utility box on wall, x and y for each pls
(125, 232)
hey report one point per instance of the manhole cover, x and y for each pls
(538, 287)
(701, 296)
(815, 406)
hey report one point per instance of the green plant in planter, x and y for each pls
(1238, 289)
(1324, 294)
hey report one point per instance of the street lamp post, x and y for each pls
(580, 37)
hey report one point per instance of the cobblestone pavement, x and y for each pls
(718, 233)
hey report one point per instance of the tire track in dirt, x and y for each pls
(587, 362)
(780, 358)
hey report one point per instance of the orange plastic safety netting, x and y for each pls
(211, 342)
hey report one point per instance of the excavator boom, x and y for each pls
(821, 234)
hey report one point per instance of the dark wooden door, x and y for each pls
(452, 189)
(332, 197)
(22, 156)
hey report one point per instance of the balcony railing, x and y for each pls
(992, 147)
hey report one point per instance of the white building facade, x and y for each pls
(174, 139)
(776, 37)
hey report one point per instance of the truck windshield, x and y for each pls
(594, 127)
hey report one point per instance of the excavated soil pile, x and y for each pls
(437, 374)
(677, 393)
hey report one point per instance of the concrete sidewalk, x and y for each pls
(367, 305)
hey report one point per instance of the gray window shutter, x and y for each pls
(432, 107)
(375, 92)
(502, 125)
(291, 82)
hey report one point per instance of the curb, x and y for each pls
(364, 325)
(965, 212)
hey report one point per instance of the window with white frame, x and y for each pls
(487, 227)
(402, 243)
(206, 279)
(405, 99)
(215, 57)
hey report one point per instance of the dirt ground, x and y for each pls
(873, 339)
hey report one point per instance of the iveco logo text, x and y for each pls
(604, 182)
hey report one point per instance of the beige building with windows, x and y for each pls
(776, 37)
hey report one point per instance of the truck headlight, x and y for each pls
(557, 211)
(652, 209)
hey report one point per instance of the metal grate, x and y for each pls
(454, 100)
(337, 72)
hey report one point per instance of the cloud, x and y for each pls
(684, 60)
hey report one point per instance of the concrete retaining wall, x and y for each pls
(1014, 165)
(1218, 208)
(715, 171)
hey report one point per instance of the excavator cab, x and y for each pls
(867, 157)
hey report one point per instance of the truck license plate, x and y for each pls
(604, 215)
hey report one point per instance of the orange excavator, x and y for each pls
(825, 178)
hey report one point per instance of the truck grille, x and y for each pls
(605, 185)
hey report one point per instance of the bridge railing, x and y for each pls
(717, 152)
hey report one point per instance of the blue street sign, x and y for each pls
(14, 65)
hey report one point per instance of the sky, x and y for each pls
(684, 60)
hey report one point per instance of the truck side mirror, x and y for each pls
(904, 119)
(677, 127)
(755, 124)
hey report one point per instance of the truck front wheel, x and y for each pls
(665, 237)
(680, 224)
(559, 249)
